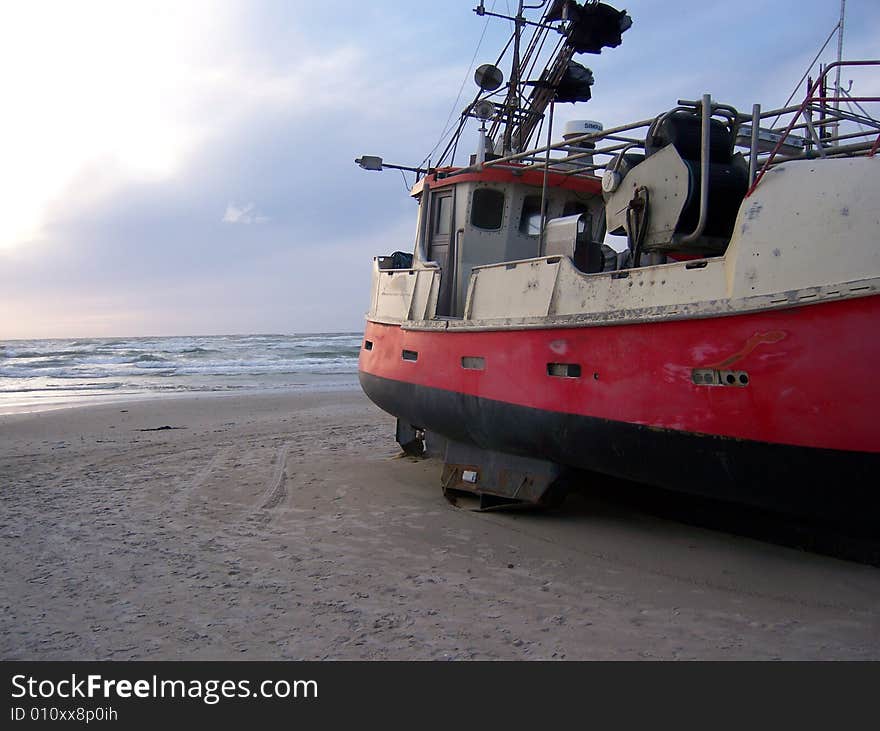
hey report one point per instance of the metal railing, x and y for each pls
(807, 130)
(830, 116)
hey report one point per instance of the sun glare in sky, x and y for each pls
(93, 86)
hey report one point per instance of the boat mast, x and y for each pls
(512, 103)
(587, 26)
(837, 91)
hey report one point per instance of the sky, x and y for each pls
(175, 168)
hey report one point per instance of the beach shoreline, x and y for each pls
(324, 383)
(44, 375)
(285, 525)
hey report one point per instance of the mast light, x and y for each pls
(370, 162)
(373, 162)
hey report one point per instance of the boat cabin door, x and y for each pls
(441, 247)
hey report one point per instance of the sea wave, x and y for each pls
(172, 363)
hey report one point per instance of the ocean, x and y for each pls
(43, 374)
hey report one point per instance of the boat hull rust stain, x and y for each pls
(767, 338)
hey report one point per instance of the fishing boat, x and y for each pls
(725, 346)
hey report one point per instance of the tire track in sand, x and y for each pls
(276, 489)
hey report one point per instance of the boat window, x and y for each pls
(487, 208)
(443, 215)
(572, 208)
(530, 219)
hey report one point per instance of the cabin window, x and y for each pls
(487, 208)
(530, 218)
(573, 208)
(443, 217)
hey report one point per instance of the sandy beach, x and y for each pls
(287, 527)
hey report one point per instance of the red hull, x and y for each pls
(811, 370)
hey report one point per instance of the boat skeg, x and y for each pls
(499, 479)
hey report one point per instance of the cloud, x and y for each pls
(245, 214)
(98, 83)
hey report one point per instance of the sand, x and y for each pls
(286, 527)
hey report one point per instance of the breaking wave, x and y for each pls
(173, 363)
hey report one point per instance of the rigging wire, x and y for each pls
(446, 124)
(553, 55)
(537, 52)
(537, 33)
(405, 183)
(538, 37)
(453, 141)
(850, 103)
(809, 68)
(463, 118)
(536, 43)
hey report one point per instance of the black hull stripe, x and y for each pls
(829, 484)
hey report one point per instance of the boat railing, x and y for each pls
(821, 126)
(824, 136)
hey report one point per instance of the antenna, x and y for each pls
(839, 59)
(513, 88)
